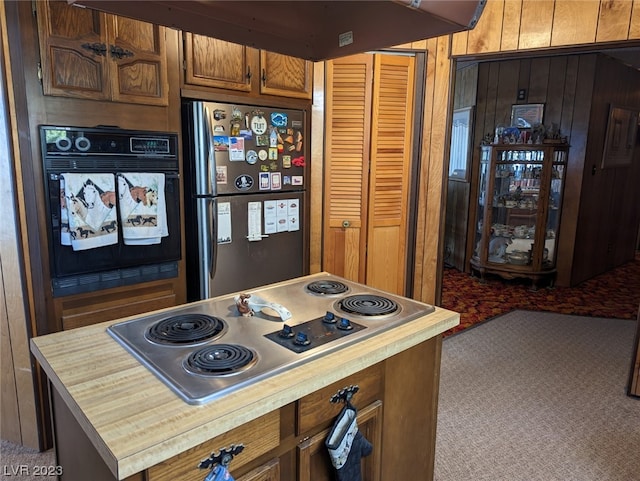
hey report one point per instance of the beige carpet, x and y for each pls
(533, 396)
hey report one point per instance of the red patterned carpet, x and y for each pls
(614, 294)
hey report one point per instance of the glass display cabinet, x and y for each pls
(518, 212)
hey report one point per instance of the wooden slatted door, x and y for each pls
(393, 90)
(369, 111)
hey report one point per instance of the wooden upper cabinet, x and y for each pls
(214, 63)
(92, 55)
(285, 76)
(210, 62)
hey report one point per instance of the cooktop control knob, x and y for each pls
(302, 339)
(329, 318)
(287, 332)
(345, 324)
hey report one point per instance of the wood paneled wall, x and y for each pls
(506, 27)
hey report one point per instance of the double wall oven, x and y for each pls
(112, 154)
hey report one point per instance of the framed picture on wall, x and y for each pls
(621, 137)
(460, 152)
(525, 116)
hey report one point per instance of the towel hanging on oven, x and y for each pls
(143, 211)
(87, 203)
(347, 445)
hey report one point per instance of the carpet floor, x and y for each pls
(614, 294)
(534, 396)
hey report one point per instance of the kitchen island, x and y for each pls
(114, 419)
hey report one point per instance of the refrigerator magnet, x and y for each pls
(236, 149)
(265, 181)
(252, 157)
(276, 181)
(219, 114)
(244, 182)
(262, 140)
(218, 129)
(262, 154)
(259, 124)
(286, 180)
(220, 143)
(221, 174)
(279, 119)
(297, 180)
(286, 161)
(273, 153)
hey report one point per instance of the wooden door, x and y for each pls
(73, 51)
(391, 135)
(210, 62)
(314, 463)
(348, 93)
(369, 112)
(138, 61)
(285, 76)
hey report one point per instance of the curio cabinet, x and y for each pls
(518, 212)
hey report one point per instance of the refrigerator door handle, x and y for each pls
(214, 239)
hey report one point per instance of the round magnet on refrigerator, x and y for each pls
(251, 157)
(262, 154)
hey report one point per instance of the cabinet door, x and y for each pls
(210, 62)
(267, 472)
(285, 76)
(314, 463)
(73, 50)
(138, 61)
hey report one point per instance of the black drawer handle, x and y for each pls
(120, 53)
(344, 395)
(223, 458)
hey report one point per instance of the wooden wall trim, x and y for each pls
(19, 415)
(317, 169)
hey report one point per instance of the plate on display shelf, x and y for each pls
(497, 260)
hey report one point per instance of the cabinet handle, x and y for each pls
(96, 48)
(264, 77)
(344, 395)
(119, 52)
(249, 73)
(346, 223)
(224, 457)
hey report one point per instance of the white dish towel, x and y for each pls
(143, 210)
(88, 210)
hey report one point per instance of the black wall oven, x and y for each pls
(75, 160)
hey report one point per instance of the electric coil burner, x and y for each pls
(368, 305)
(219, 359)
(208, 349)
(327, 287)
(185, 329)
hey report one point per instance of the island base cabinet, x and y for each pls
(76, 456)
(397, 409)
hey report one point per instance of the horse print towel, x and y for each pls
(88, 210)
(143, 211)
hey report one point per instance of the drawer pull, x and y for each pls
(219, 462)
(344, 395)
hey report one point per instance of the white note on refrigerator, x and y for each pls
(254, 221)
(270, 217)
(282, 215)
(224, 223)
(293, 214)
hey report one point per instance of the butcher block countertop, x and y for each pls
(135, 421)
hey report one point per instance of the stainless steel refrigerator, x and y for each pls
(245, 184)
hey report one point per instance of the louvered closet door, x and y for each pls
(368, 153)
(348, 113)
(391, 134)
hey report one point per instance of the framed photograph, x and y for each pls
(621, 137)
(525, 116)
(460, 153)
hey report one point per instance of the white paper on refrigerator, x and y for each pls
(224, 223)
